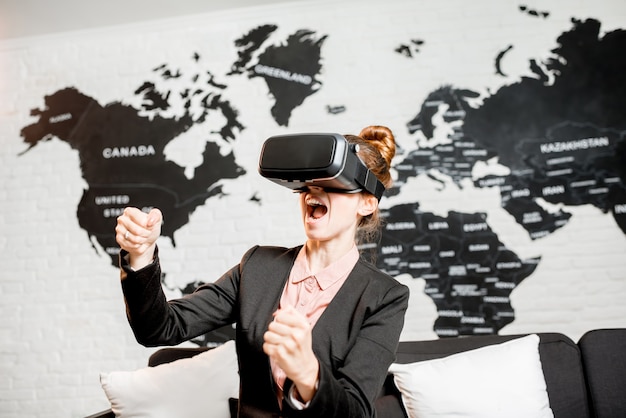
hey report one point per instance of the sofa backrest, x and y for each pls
(604, 361)
(169, 354)
(560, 359)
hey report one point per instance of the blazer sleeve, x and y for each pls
(155, 321)
(350, 390)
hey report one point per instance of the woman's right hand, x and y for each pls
(137, 232)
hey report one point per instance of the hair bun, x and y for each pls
(382, 138)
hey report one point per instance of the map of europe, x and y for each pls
(561, 134)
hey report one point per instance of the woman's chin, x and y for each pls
(315, 231)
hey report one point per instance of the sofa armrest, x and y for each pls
(103, 414)
(604, 361)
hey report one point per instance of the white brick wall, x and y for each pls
(61, 311)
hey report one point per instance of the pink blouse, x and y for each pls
(311, 293)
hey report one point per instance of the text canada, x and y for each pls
(132, 151)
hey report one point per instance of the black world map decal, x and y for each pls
(560, 133)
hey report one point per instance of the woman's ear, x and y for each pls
(368, 205)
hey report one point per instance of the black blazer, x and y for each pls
(355, 339)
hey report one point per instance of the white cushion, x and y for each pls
(193, 387)
(496, 381)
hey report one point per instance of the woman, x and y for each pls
(316, 326)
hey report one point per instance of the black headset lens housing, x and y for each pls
(326, 160)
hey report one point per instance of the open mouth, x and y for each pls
(315, 209)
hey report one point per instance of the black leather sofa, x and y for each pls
(584, 380)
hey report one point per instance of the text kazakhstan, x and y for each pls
(581, 144)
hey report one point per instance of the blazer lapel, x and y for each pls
(333, 327)
(263, 288)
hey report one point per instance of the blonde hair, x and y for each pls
(377, 147)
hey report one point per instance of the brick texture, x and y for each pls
(61, 310)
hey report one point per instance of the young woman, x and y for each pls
(316, 326)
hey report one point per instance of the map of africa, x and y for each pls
(561, 135)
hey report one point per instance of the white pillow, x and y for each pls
(193, 387)
(496, 381)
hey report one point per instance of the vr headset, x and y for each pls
(326, 160)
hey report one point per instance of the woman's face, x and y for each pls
(327, 216)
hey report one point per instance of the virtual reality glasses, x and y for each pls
(326, 160)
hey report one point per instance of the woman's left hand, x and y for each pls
(288, 342)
